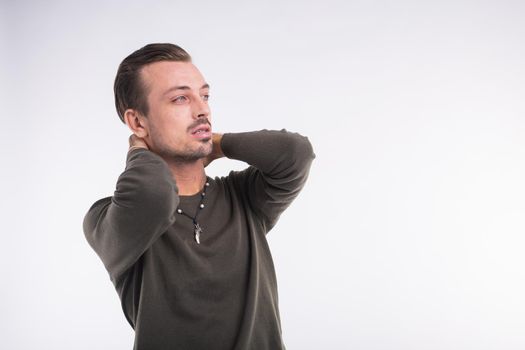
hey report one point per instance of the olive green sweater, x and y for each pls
(221, 293)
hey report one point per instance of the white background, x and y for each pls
(410, 231)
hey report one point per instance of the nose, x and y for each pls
(201, 108)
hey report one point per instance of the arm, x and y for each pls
(122, 227)
(280, 163)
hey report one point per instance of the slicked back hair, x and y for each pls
(129, 88)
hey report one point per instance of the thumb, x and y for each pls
(134, 140)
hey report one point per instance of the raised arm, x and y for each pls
(120, 228)
(279, 166)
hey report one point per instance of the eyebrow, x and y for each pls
(184, 87)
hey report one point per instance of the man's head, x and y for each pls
(162, 97)
(129, 89)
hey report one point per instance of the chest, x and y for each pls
(221, 258)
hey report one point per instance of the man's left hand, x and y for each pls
(216, 151)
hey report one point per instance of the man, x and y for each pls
(187, 253)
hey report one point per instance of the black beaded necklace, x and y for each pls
(197, 228)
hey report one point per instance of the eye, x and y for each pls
(179, 99)
(205, 97)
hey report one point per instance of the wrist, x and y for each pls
(217, 148)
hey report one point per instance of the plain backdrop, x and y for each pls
(410, 231)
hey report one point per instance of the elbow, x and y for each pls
(297, 157)
(91, 218)
(301, 149)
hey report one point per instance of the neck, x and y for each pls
(189, 176)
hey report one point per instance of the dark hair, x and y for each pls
(129, 89)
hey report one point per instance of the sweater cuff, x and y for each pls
(227, 143)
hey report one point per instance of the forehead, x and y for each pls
(157, 77)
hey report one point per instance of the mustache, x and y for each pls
(199, 122)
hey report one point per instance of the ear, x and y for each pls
(136, 122)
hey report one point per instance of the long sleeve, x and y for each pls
(279, 162)
(122, 227)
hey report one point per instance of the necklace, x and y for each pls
(197, 228)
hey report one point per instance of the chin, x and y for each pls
(210, 149)
(206, 148)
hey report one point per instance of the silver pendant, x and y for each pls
(198, 231)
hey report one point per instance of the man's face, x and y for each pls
(178, 121)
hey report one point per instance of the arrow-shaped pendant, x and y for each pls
(198, 231)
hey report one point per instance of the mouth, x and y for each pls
(202, 132)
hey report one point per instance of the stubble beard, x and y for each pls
(188, 154)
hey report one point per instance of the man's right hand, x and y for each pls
(136, 142)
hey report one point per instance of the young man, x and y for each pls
(187, 253)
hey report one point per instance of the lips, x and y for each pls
(201, 132)
(201, 129)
